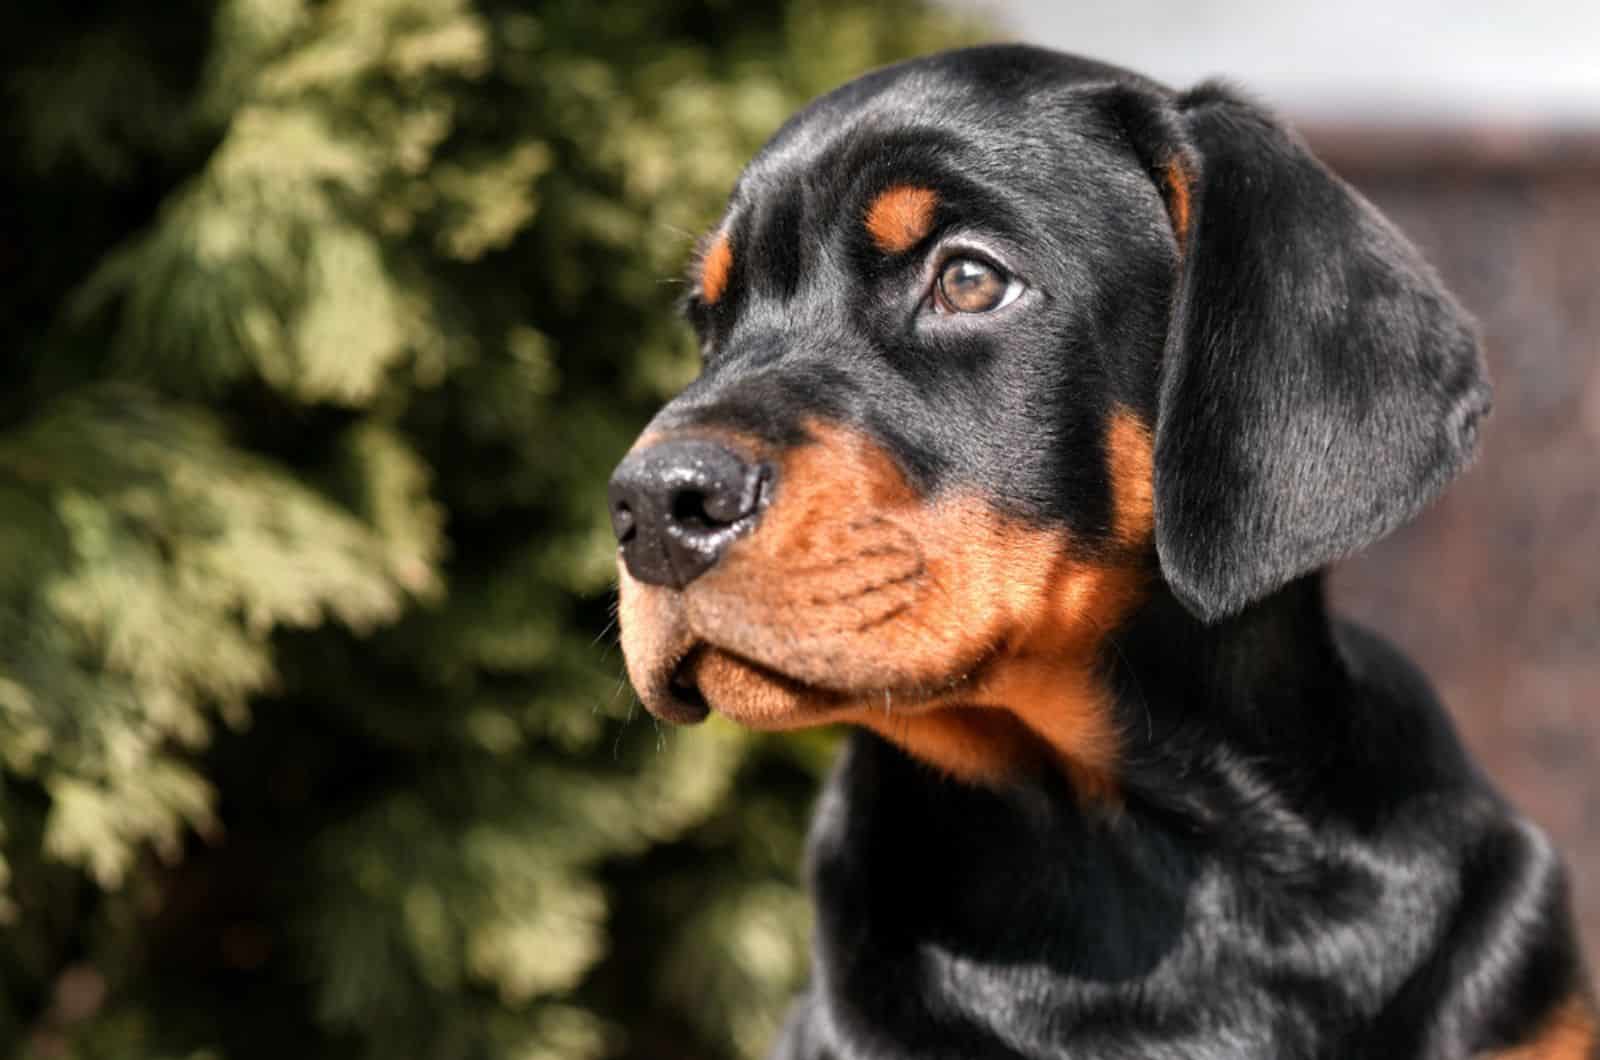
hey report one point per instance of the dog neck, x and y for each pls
(1279, 772)
(1269, 686)
(1122, 709)
(1279, 705)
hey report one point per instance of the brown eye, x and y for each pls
(967, 285)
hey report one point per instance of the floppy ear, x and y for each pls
(1319, 385)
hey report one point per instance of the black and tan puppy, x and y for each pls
(1035, 398)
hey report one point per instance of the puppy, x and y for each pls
(1035, 399)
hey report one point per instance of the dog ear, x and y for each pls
(1319, 386)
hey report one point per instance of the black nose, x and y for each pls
(677, 505)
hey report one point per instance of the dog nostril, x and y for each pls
(691, 509)
(623, 523)
(704, 508)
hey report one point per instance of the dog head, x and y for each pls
(996, 343)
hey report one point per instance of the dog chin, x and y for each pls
(742, 690)
(762, 697)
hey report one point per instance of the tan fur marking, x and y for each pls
(966, 636)
(1178, 194)
(900, 217)
(715, 266)
(1568, 1034)
(1131, 465)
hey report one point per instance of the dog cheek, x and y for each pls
(1130, 465)
(823, 585)
(856, 582)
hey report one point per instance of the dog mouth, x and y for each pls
(709, 678)
(684, 703)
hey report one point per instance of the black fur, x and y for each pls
(1304, 864)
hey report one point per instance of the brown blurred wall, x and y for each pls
(1496, 590)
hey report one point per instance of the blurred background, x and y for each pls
(325, 322)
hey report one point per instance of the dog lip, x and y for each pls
(824, 699)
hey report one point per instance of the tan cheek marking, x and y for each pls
(1178, 196)
(1131, 466)
(988, 631)
(827, 564)
(1044, 699)
(1568, 1034)
(715, 266)
(900, 217)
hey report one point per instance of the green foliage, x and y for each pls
(327, 322)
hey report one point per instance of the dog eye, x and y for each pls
(967, 285)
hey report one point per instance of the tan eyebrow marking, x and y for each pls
(715, 265)
(900, 217)
(1178, 196)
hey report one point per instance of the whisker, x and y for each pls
(609, 626)
(627, 720)
(675, 230)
